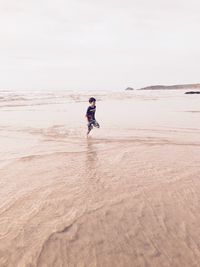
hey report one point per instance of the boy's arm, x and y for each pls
(87, 115)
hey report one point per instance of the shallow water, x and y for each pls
(30, 118)
(126, 196)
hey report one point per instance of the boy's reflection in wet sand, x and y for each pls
(94, 175)
(91, 158)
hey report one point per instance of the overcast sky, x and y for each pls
(104, 44)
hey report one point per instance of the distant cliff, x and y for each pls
(129, 88)
(172, 87)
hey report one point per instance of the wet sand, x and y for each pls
(127, 196)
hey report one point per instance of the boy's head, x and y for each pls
(92, 101)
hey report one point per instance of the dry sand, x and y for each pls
(129, 195)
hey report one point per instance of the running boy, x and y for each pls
(91, 115)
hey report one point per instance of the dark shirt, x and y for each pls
(91, 113)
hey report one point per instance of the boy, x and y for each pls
(91, 115)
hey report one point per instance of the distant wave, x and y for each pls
(31, 98)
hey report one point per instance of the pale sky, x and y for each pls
(105, 44)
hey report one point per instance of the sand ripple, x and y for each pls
(117, 205)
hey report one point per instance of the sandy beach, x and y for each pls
(126, 196)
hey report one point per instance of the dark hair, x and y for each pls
(92, 99)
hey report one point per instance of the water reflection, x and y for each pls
(91, 158)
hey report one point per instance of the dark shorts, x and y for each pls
(92, 123)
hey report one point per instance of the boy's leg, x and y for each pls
(89, 127)
(96, 124)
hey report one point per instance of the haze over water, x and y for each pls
(98, 44)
